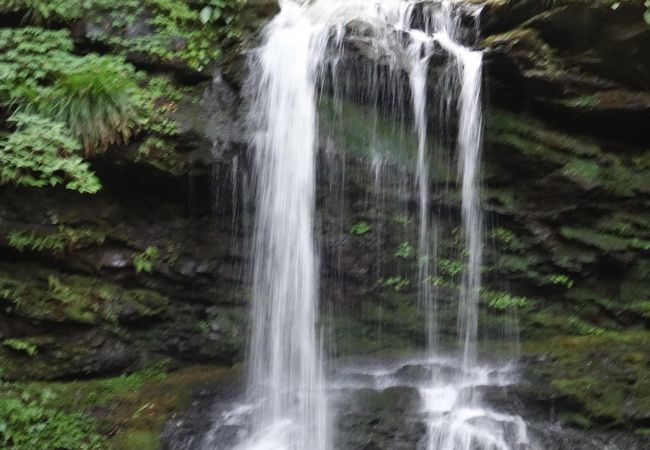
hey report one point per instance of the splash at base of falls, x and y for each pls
(451, 424)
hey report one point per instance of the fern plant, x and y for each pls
(40, 153)
(40, 11)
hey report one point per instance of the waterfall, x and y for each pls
(302, 48)
(469, 146)
(419, 51)
(286, 375)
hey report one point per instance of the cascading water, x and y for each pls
(302, 47)
(419, 51)
(286, 377)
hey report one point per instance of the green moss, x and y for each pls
(575, 158)
(44, 295)
(604, 241)
(533, 137)
(528, 40)
(635, 288)
(136, 439)
(606, 374)
(374, 136)
(584, 172)
(394, 315)
(520, 266)
(121, 413)
(573, 257)
(582, 102)
(355, 337)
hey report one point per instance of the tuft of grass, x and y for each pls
(94, 97)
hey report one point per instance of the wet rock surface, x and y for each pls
(368, 415)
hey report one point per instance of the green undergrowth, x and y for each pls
(64, 239)
(144, 261)
(120, 413)
(190, 33)
(606, 374)
(574, 158)
(64, 108)
(608, 242)
(40, 152)
(40, 294)
(528, 40)
(30, 419)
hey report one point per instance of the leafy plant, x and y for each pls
(39, 11)
(561, 280)
(221, 9)
(21, 241)
(580, 327)
(21, 345)
(396, 283)
(31, 422)
(402, 219)
(502, 300)
(65, 238)
(404, 250)
(102, 99)
(35, 51)
(182, 32)
(143, 262)
(503, 235)
(449, 267)
(360, 228)
(40, 153)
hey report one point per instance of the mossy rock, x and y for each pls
(39, 294)
(608, 375)
(127, 411)
(385, 419)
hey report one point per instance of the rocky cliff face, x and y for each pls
(154, 266)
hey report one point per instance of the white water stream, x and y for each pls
(287, 406)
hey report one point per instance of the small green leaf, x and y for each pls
(205, 14)
(646, 17)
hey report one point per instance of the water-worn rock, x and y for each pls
(379, 420)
